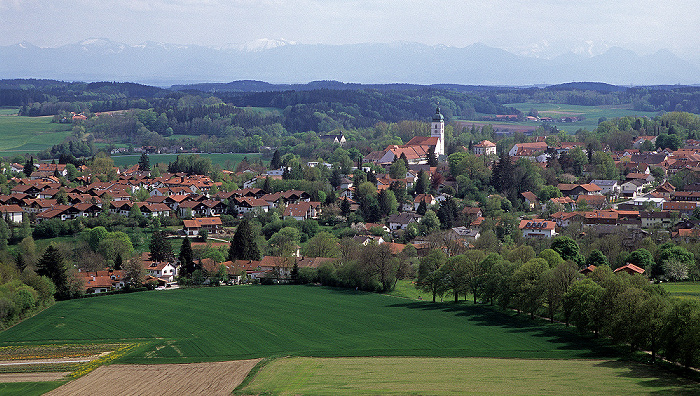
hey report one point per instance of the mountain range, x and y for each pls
(279, 61)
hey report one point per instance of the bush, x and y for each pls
(307, 275)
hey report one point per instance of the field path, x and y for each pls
(216, 378)
(32, 377)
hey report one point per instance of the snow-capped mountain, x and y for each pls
(282, 61)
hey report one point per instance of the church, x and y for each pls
(418, 148)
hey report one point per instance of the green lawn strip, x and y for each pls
(683, 289)
(28, 388)
(231, 323)
(447, 376)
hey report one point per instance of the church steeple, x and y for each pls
(437, 129)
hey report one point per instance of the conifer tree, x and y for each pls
(186, 257)
(160, 247)
(276, 161)
(144, 162)
(52, 266)
(29, 167)
(243, 245)
(345, 207)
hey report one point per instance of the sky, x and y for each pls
(544, 28)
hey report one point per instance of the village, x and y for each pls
(637, 206)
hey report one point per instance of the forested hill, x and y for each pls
(361, 104)
(261, 86)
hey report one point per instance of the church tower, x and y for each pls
(437, 129)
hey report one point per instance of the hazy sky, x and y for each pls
(545, 27)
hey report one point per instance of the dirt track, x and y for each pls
(31, 377)
(217, 378)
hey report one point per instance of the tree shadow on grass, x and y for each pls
(653, 377)
(565, 339)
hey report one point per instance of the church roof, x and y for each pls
(422, 141)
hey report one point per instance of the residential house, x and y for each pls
(484, 147)
(427, 198)
(611, 187)
(193, 227)
(592, 201)
(12, 213)
(537, 228)
(574, 190)
(655, 219)
(302, 210)
(401, 220)
(632, 188)
(565, 219)
(630, 269)
(530, 199)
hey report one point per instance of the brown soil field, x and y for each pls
(216, 378)
(31, 377)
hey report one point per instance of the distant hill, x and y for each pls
(287, 63)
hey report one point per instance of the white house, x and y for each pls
(538, 228)
(632, 188)
(484, 147)
(607, 186)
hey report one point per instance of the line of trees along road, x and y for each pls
(626, 308)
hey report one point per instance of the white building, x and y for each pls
(437, 129)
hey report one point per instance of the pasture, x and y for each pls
(224, 160)
(20, 135)
(683, 289)
(555, 110)
(451, 376)
(230, 323)
(591, 114)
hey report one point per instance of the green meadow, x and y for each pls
(591, 114)
(683, 289)
(229, 323)
(459, 376)
(319, 341)
(19, 135)
(28, 388)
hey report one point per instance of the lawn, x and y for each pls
(242, 322)
(452, 376)
(224, 160)
(683, 289)
(19, 135)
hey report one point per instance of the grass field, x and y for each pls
(213, 324)
(19, 135)
(683, 289)
(591, 113)
(8, 111)
(462, 348)
(225, 160)
(459, 376)
(28, 388)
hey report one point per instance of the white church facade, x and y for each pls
(417, 149)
